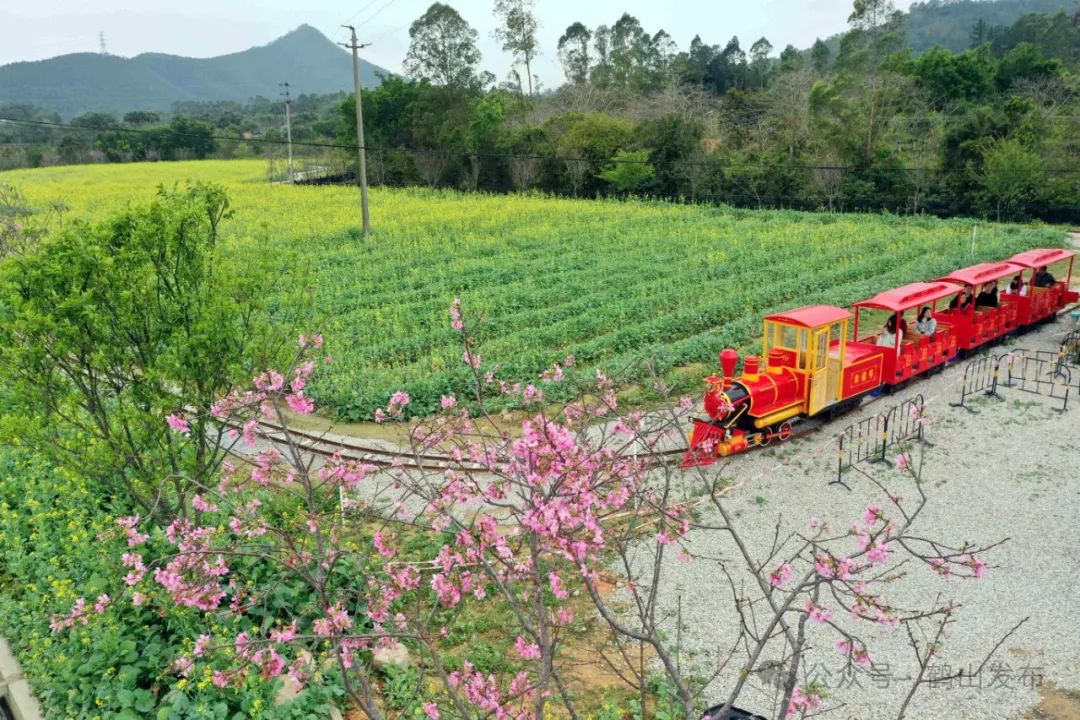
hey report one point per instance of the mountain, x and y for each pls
(948, 23)
(85, 82)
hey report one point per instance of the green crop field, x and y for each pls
(612, 283)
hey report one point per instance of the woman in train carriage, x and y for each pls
(926, 325)
(962, 299)
(1018, 287)
(891, 335)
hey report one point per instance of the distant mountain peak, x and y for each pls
(78, 83)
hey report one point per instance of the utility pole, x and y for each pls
(354, 46)
(288, 127)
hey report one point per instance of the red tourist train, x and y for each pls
(822, 360)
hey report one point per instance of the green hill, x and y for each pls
(88, 82)
(948, 23)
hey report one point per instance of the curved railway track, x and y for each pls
(319, 445)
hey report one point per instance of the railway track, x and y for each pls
(319, 445)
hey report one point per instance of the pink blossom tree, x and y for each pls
(520, 516)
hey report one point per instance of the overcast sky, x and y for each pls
(203, 28)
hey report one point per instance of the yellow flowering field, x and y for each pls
(612, 283)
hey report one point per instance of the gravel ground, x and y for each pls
(1011, 470)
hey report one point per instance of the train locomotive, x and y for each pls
(821, 360)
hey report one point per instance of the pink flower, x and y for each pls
(527, 650)
(178, 423)
(249, 432)
(471, 359)
(802, 701)
(557, 587)
(447, 402)
(878, 554)
(458, 324)
(200, 645)
(199, 503)
(379, 415)
(269, 381)
(817, 613)
(381, 547)
(300, 404)
(432, 711)
(978, 567)
(781, 575)
(872, 515)
(902, 461)
(287, 634)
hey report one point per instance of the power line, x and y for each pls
(376, 14)
(379, 37)
(353, 16)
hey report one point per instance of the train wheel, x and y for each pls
(784, 431)
(766, 437)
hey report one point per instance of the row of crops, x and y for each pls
(611, 283)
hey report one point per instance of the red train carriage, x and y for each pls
(911, 353)
(975, 324)
(814, 366)
(1043, 303)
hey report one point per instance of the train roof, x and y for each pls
(1043, 256)
(909, 296)
(983, 273)
(812, 316)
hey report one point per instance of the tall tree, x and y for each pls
(574, 53)
(791, 59)
(629, 48)
(819, 55)
(871, 15)
(759, 59)
(518, 33)
(442, 48)
(980, 33)
(601, 74)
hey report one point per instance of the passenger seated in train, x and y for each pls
(962, 300)
(926, 325)
(888, 336)
(988, 297)
(1018, 286)
(1043, 278)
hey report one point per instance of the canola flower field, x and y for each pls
(612, 283)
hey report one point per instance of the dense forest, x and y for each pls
(861, 122)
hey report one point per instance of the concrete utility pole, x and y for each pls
(354, 46)
(288, 127)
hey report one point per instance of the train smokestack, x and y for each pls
(728, 360)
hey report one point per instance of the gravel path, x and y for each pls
(1011, 470)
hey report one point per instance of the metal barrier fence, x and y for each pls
(980, 375)
(1039, 373)
(868, 439)
(1069, 353)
